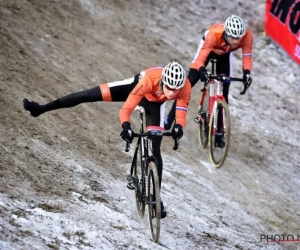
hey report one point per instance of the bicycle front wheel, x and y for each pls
(140, 183)
(219, 134)
(153, 201)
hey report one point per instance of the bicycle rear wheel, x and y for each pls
(203, 130)
(203, 121)
(140, 183)
(219, 137)
(153, 201)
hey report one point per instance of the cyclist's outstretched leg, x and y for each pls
(113, 91)
(68, 101)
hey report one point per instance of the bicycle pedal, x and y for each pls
(131, 186)
(196, 119)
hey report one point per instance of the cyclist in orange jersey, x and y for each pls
(217, 43)
(149, 89)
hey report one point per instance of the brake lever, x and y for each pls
(245, 89)
(246, 86)
(205, 86)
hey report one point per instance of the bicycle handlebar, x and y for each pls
(224, 78)
(176, 141)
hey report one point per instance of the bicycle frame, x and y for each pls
(215, 90)
(215, 94)
(146, 184)
(143, 140)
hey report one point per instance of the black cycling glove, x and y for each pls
(127, 133)
(247, 78)
(203, 74)
(177, 132)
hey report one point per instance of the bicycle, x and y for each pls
(213, 116)
(143, 177)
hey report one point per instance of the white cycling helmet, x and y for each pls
(174, 75)
(235, 26)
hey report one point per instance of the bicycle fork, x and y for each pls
(214, 97)
(219, 127)
(215, 124)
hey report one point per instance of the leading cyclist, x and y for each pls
(149, 89)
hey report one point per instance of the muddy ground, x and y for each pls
(63, 174)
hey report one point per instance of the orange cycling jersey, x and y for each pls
(148, 87)
(214, 41)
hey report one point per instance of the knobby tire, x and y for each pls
(218, 155)
(153, 201)
(140, 192)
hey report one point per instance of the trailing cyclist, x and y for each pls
(149, 89)
(217, 43)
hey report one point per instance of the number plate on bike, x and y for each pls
(155, 132)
